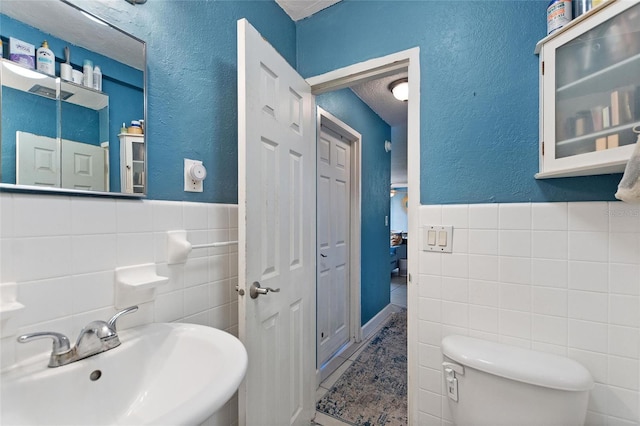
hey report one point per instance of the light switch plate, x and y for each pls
(437, 238)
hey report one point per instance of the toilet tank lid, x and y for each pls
(523, 365)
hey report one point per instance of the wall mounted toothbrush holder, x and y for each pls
(137, 284)
(178, 247)
(9, 307)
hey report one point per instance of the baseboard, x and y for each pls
(372, 325)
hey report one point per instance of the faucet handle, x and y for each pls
(60, 341)
(112, 322)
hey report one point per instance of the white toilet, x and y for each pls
(494, 384)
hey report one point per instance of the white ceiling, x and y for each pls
(300, 9)
(377, 95)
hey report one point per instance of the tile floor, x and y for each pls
(398, 289)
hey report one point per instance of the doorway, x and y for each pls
(338, 237)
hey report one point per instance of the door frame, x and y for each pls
(367, 70)
(355, 218)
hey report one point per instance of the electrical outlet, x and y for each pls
(194, 174)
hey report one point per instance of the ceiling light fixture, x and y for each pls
(400, 89)
(134, 2)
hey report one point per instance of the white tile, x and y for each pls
(460, 242)
(624, 341)
(196, 216)
(483, 335)
(623, 403)
(93, 216)
(623, 372)
(483, 216)
(595, 362)
(7, 261)
(624, 279)
(167, 216)
(44, 300)
(623, 217)
(483, 241)
(515, 243)
(430, 263)
(198, 237)
(429, 332)
(430, 215)
(484, 293)
(455, 289)
(429, 356)
(196, 299)
(93, 253)
(589, 216)
(549, 273)
(595, 419)
(591, 276)
(598, 399)
(514, 297)
(42, 258)
(456, 314)
(624, 310)
(590, 246)
(550, 301)
(430, 286)
(218, 216)
(588, 306)
(451, 330)
(590, 336)
(7, 223)
(134, 216)
(518, 342)
(549, 216)
(549, 329)
(219, 267)
(42, 216)
(624, 248)
(549, 348)
(201, 318)
(92, 291)
(134, 249)
(515, 270)
(219, 293)
(483, 318)
(455, 265)
(550, 244)
(456, 215)
(429, 309)
(233, 315)
(196, 272)
(515, 216)
(233, 215)
(430, 402)
(483, 267)
(430, 379)
(515, 324)
(219, 317)
(614, 421)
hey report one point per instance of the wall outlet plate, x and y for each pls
(192, 184)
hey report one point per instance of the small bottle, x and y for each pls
(87, 73)
(45, 60)
(97, 78)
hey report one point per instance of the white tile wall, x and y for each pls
(62, 252)
(555, 277)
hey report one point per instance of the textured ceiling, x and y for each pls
(377, 95)
(300, 9)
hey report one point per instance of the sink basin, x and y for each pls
(166, 374)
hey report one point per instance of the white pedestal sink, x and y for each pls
(165, 374)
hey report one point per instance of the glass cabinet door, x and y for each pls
(597, 87)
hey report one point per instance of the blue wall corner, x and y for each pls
(376, 177)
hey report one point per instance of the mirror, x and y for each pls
(80, 129)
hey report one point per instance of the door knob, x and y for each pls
(255, 290)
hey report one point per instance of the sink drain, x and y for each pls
(95, 375)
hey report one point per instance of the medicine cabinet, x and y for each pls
(590, 92)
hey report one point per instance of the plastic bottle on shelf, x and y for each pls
(87, 73)
(559, 14)
(97, 78)
(45, 60)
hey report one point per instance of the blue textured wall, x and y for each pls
(479, 94)
(192, 90)
(376, 176)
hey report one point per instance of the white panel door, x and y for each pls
(83, 166)
(334, 172)
(276, 233)
(37, 160)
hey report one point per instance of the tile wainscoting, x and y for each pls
(62, 252)
(554, 277)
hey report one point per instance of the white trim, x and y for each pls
(370, 328)
(372, 68)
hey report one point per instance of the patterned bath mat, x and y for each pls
(373, 390)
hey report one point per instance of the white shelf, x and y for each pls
(590, 136)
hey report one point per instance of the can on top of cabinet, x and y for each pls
(559, 14)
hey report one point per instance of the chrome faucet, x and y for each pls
(95, 337)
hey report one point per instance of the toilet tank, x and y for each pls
(489, 383)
